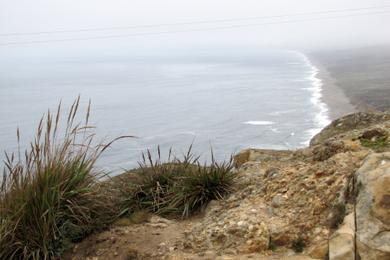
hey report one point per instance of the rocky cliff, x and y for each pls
(330, 200)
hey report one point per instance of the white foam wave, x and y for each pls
(282, 112)
(310, 133)
(259, 123)
(322, 118)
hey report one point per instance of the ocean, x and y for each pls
(227, 101)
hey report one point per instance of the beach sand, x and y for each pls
(354, 79)
(332, 95)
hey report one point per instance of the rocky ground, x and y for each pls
(329, 200)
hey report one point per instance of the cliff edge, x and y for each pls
(330, 200)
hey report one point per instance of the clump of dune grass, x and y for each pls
(51, 196)
(178, 186)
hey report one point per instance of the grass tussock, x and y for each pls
(378, 144)
(177, 187)
(51, 197)
(339, 211)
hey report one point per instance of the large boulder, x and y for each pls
(373, 207)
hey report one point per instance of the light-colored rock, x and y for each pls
(319, 250)
(347, 123)
(342, 242)
(241, 158)
(373, 207)
(159, 220)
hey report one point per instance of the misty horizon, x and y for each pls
(356, 24)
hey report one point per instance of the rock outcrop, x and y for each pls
(342, 242)
(373, 207)
(346, 124)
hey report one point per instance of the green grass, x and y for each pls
(51, 196)
(177, 187)
(339, 211)
(298, 245)
(379, 144)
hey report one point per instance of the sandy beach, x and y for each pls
(354, 79)
(332, 95)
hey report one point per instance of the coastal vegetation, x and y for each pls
(375, 139)
(338, 213)
(378, 144)
(179, 186)
(54, 196)
(298, 245)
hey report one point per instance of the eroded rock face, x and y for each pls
(327, 150)
(232, 227)
(281, 197)
(342, 242)
(347, 123)
(373, 207)
(319, 250)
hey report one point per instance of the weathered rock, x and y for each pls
(212, 208)
(373, 207)
(350, 122)
(241, 158)
(327, 150)
(373, 134)
(342, 242)
(159, 220)
(319, 250)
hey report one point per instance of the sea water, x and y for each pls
(227, 101)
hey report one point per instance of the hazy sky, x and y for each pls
(20, 16)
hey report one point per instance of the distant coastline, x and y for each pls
(332, 95)
(322, 118)
(360, 75)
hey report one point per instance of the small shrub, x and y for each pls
(272, 245)
(52, 197)
(338, 213)
(376, 144)
(178, 186)
(298, 245)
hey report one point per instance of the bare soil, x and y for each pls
(125, 240)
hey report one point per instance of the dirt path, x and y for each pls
(125, 241)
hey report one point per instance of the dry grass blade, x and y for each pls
(177, 187)
(52, 197)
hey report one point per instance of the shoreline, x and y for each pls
(332, 95)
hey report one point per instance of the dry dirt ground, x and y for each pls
(126, 240)
(155, 239)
